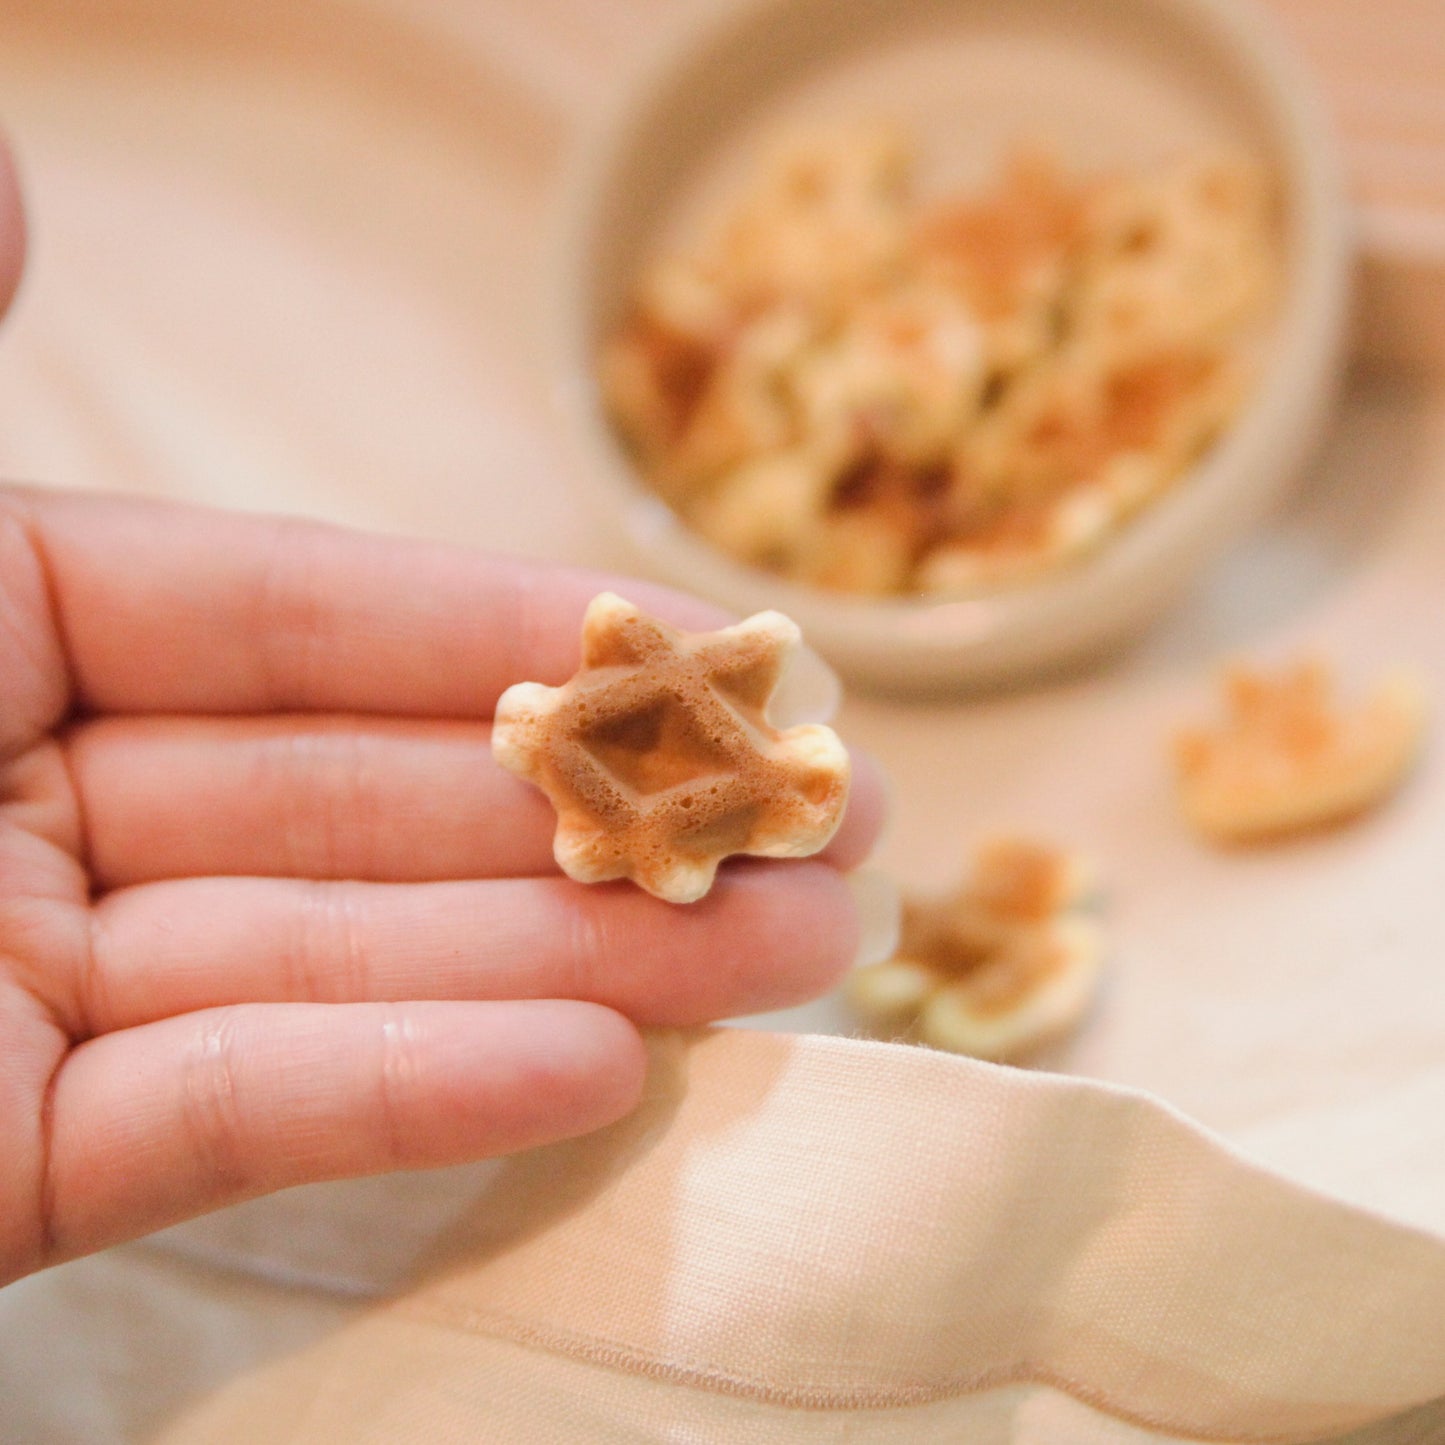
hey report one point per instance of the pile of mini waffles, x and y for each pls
(869, 390)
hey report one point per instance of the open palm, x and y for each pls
(269, 913)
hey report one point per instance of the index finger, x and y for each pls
(174, 609)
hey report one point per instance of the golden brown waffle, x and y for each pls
(659, 758)
(1288, 757)
(998, 968)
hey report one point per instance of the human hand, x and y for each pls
(269, 912)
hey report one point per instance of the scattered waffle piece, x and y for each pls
(1003, 965)
(659, 758)
(1288, 758)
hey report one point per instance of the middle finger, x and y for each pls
(328, 797)
(768, 935)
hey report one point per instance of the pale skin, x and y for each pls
(269, 913)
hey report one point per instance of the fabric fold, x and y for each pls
(829, 1226)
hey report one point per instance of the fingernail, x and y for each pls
(880, 910)
(809, 691)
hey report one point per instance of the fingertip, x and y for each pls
(512, 1075)
(590, 1065)
(793, 929)
(487, 1078)
(12, 229)
(869, 804)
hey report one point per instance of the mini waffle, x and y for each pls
(1288, 757)
(659, 758)
(998, 968)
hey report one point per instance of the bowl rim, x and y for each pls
(1022, 629)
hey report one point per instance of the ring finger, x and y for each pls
(768, 935)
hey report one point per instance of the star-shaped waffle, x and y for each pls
(659, 758)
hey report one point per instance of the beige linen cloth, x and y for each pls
(284, 256)
(794, 1239)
